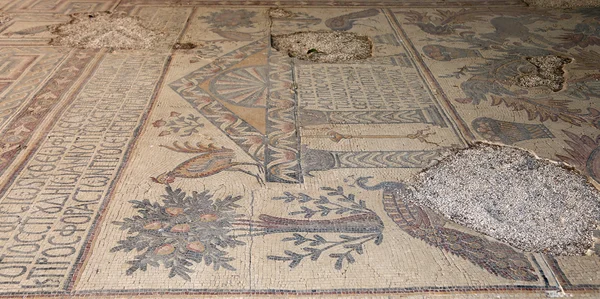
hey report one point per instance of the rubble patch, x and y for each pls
(324, 46)
(511, 195)
(104, 30)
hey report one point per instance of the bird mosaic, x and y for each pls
(345, 22)
(212, 160)
(424, 224)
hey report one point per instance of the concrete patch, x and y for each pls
(324, 46)
(104, 30)
(511, 195)
(549, 72)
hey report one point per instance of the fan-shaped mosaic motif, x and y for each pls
(243, 86)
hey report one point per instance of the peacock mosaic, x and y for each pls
(231, 169)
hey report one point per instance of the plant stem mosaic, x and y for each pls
(192, 228)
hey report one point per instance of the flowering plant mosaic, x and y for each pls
(182, 230)
(188, 229)
(184, 126)
(360, 226)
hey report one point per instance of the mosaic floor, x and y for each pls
(231, 169)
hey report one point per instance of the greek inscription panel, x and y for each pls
(360, 87)
(50, 207)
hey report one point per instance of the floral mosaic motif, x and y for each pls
(183, 126)
(187, 229)
(549, 108)
(317, 245)
(345, 204)
(355, 226)
(230, 19)
(182, 230)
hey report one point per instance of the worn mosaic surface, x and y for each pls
(231, 169)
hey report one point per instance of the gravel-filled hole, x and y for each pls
(509, 194)
(324, 46)
(104, 30)
(549, 72)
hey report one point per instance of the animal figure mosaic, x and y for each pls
(442, 22)
(516, 27)
(583, 153)
(191, 228)
(515, 39)
(424, 224)
(224, 23)
(77, 122)
(230, 18)
(211, 160)
(345, 22)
